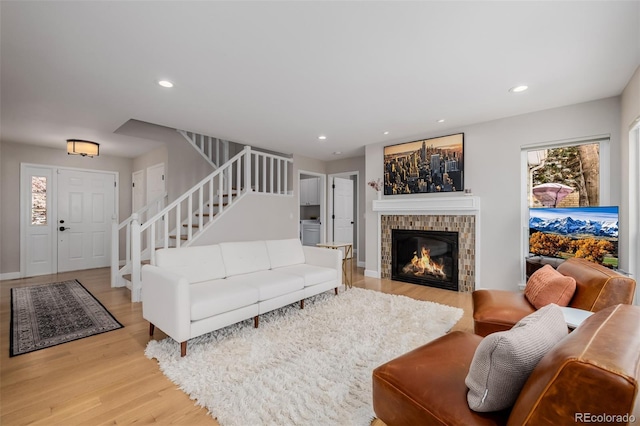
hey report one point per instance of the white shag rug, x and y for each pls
(302, 367)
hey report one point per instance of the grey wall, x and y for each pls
(151, 158)
(185, 166)
(12, 155)
(492, 170)
(256, 217)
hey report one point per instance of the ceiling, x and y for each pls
(277, 75)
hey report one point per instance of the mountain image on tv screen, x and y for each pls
(587, 232)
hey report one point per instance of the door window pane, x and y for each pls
(38, 200)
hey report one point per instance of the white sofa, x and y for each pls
(195, 290)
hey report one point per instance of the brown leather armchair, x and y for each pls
(595, 370)
(597, 287)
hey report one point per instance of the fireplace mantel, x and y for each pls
(462, 205)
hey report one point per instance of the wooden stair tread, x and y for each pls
(182, 237)
(128, 276)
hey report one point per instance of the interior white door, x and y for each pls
(343, 210)
(138, 191)
(155, 186)
(38, 221)
(85, 207)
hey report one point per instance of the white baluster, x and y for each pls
(136, 285)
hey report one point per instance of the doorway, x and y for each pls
(312, 207)
(66, 217)
(343, 209)
(138, 189)
(155, 187)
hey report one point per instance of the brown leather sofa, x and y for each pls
(593, 371)
(597, 287)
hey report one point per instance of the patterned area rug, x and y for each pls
(50, 314)
(302, 366)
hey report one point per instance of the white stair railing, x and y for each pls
(181, 222)
(214, 150)
(118, 273)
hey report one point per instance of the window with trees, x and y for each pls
(564, 176)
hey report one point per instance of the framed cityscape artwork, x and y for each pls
(425, 166)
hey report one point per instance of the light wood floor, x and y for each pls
(106, 379)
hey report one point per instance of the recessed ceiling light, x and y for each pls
(337, 152)
(518, 89)
(322, 137)
(441, 120)
(165, 83)
(386, 133)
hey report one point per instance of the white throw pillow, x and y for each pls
(504, 360)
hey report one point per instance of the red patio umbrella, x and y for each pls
(550, 194)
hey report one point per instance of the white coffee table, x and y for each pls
(574, 317)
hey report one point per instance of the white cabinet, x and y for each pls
(310, 192)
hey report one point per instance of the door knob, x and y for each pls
(62, 228)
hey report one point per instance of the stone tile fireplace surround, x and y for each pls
(453, 213)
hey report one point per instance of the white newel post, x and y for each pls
(136, 285)
(115, 251)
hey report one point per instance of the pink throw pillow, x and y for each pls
(546, 285)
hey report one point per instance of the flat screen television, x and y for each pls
(587, 232)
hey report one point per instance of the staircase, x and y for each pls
(214, 150)
(184, 220)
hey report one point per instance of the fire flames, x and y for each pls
(423, 265)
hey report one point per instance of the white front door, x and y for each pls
(38, 221)
(343, 210)
(85, 207)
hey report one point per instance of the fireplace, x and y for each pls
(425, 257)
(438, 213)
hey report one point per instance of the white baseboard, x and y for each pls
(10, 276)
(372, 274)
(361, 264)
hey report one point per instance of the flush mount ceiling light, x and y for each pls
(84, 148)
(385, 133)
(518, 89)
(440, 121)
(322, 137)
(337, 152)
(165, 83)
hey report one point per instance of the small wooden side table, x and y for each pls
(348, 255)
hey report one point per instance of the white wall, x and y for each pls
(630, 180)
(492, 171)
